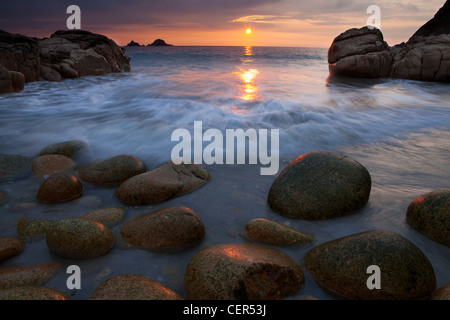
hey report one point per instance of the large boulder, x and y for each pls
(163, 183)
(11, 81)
(341, 267)
(360, 53)
(425, 56)
(66, 54)
(20, 53)
(430, 214)
(320, 185)
(77, 53)
(242, 271)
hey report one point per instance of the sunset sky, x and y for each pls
(292, 23)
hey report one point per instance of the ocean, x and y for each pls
(398, 129)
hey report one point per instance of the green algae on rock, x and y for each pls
(133, 287)
(340, 266)
(168, 229)
(274, 233)
(242, 271)
(78, 238)
(114, 170)
(320, 185)
(430, 215)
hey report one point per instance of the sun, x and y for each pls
(248, 31)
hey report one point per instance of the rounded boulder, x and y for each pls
(167, 229)
(77, 238)
(430, 215)
(320, 185)
(48, 164)
(114, 170)
(60, 187)
(133, 287)
(242, 271)
(372, 265)
(274, 233)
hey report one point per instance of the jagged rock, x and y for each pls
(159, 43)
(426, 56)
(20, 53)
(66, 54)
(133, 44)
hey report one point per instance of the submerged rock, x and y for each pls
(107, 216)
(9, 247)
(241, 271)
(11, 81)
(167, 229)
(430, 214)
(13, 166)
(59, 187)
(274, 233)
(3, 197)
(163, 183)
(320, 185)
(33, 293)
(114, 170)
(77, 238)
(44, 165)
(33, 228)
(340, 266)
(133, 287)
(71, 149)
(34, 275)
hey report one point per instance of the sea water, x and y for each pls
(398, 129)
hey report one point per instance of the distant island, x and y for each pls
(156, 43)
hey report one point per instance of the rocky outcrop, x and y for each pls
(66, 54)
(159, 43)
(133, 44)
(425, 56)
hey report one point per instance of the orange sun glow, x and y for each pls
(248, 31)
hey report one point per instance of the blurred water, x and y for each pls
(398, 129)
